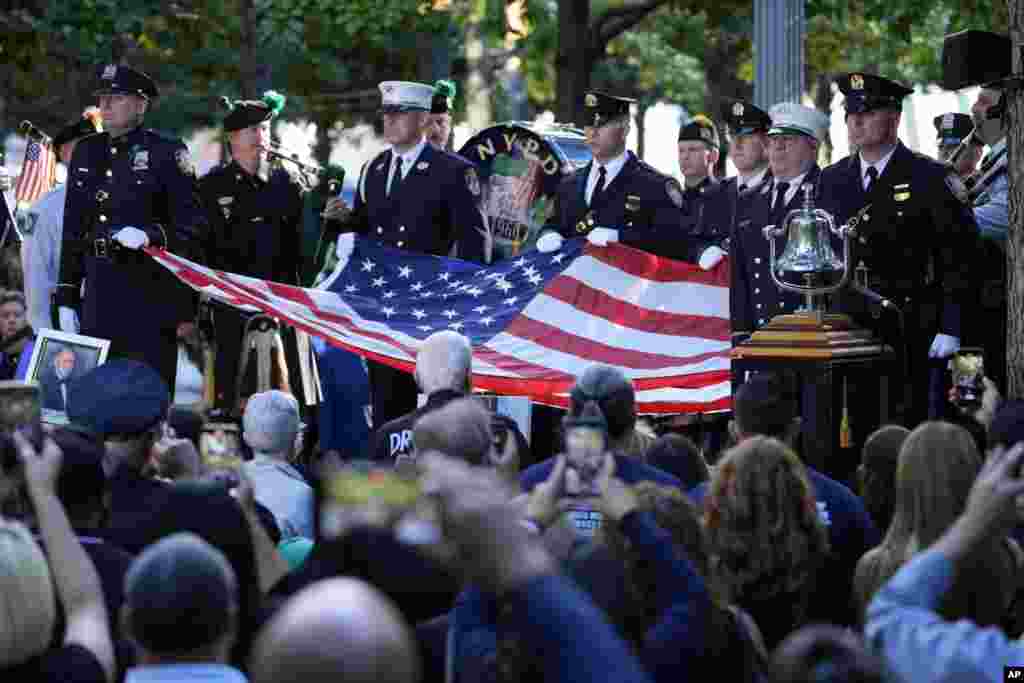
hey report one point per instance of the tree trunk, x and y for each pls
(1015, 237)
(479, 113)
(574, 62)
(255, 74)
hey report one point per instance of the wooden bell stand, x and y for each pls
(824, 350)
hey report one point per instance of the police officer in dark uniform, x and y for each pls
(952, 129)
(793, 139)
(747, 127)
(916, 240)
(129, 188)
(417, 197)
(255, 211)
(617, 197)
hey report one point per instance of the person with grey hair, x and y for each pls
(270, 426)
(444, 373)
(180, 610)
(339, 629)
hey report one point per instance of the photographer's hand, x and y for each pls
(617, 498)
(543, 506)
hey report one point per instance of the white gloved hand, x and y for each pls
(711, 257)
(601, 237)
(68, 319)
(344, 246)
(131, 238)
(548, 242)
(944, 346)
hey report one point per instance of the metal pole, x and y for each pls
(779, 27)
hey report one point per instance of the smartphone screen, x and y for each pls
(967, 367)
(21, 410)
(361, 493)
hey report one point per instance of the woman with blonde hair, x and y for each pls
(767, 539)
(937, 465)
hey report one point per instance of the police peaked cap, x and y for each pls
(868, 92)
(116, 79)
(744, 118)
(953, 127)
(90, 123)
(701, 129)
(601, 108)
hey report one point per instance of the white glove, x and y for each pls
(600, 237)
(944, 346)
(549, 241)
(131, 238)
(344, 246)
(68, 319)
(711, 257)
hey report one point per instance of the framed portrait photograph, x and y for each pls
(58, 359)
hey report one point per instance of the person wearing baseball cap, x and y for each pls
(128, 188)
(916, 244)
(412, 196)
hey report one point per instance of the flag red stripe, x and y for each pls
(655, 268)
(557, 339)
(597, 303)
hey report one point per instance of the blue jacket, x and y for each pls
(629, 470)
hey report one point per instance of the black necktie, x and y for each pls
(599, 187)
(780, 196)
(872, 176)
(396, 179)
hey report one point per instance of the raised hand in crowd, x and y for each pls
(617, 499)
(991, 398)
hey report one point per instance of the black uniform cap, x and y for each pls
(601, 108)
(868, 92)
(116, 79)
(701, 129)
(953, 127)
(744, 118)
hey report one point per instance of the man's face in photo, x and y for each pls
(64, 364)
(12, 319)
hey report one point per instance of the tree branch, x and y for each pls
(619, 20)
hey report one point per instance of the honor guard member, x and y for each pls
(44, 225)
(952, 129)
(417, 197)
(916, 240)
(129, 188)
(255, 211)
(793, 141)
(618, 198)
(439, 128)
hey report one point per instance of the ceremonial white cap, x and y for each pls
(398, 96)
(789, 118)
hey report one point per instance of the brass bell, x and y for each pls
(808, 248)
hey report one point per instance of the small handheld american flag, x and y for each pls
(38, 172)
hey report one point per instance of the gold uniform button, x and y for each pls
(757, 259)
(757, 275)
(113, 150)
(759, 305)
(400, 244)
(757, 290)
(103, 218)
(401, 228)
(110, 174)
(380, 230)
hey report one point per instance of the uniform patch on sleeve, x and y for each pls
(674, 192)
(956, 186)
(473, 182)
(184, 160)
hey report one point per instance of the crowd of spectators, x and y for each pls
(145, 541)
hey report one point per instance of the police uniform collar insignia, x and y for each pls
(109, 72)
(737, 109)
(225, 200)
(184, 160)
(590, 100)
(856, 82)
(381, 166)
(422, 166)
(948, 121)
(140, 162)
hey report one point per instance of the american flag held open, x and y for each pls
(535, 322)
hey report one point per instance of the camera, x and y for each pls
(21, 410)
(967, 368)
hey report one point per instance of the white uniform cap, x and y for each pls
(789, 118)
(397, 96)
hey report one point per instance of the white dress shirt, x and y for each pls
(878, 165)
(611, 169)
(794, 187)
(409, 158)
(750, 182)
